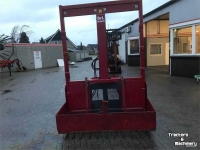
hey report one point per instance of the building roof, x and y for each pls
(92, 45)
(83, 47)
(75, 50)
(150, 13)
(57, 37)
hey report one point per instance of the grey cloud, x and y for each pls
(16, 11)
(29, 15)
(38, 4)
(43, 18)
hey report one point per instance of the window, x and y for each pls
(198, 39)
(133, 46)
(155, 49)
(183, 40)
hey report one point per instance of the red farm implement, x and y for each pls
(130, 108)
(6, 53)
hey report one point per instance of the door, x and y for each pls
(37, 59)
(167, 54)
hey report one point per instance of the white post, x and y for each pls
(129, 52)
(193, 40)
(171, 48)
(171, 42)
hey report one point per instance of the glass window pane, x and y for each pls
(198, 39)
(134, 46)
(155, 49)
(183, 41)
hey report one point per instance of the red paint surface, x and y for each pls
(88, 9)
(102, 46)
(75, 115)
(5, 63)
(135, 120)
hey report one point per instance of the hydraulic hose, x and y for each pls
(93, 65)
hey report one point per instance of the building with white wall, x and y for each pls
(171, 35)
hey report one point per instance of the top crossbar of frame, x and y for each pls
(100, 7)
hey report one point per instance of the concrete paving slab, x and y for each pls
(29, 101)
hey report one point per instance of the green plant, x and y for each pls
(3, 40)
(42, 40)
(24, 38)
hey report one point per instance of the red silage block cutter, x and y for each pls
(90, 104)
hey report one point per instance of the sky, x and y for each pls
(42, 16)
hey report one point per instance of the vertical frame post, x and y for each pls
(142, 54)
(102, 45)
(65, 56)
(142, 69)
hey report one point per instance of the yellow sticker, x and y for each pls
(100, 10)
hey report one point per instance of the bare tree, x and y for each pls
(15, 34)
(17, 31)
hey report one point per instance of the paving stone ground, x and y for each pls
(29, 101)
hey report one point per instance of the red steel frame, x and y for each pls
(75, 115)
